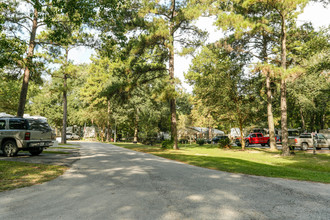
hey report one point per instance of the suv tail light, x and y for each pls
(27, 136)
(295, 140)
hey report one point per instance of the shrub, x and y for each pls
(224, 143)
(200, 142)
(167, 144)
(149, 141)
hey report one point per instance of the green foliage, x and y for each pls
(222, 89)
(167, 144)
(200, 142)
(224, 143)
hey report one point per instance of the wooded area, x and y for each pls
(267, 71)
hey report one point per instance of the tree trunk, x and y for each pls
(65, 100)
(108, 123)
(174, 133)
(115, 135)
(136, 123)
(26, 77)
(270, 117)
(303, 124)
(65, 113)
(272, 141)
(284, 116)
(210, 128)
(242, 135)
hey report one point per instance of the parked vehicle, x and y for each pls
(72, 136)
(254, 138)
(218, 138)
(33, 135)
(305, 141)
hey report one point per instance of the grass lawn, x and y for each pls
(254, 161)
(18, 174)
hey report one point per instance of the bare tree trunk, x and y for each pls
(302, 120)
(136, 123)
(65, 100)
(210, 128)
(65, 107)
(242, 135)
(115, 135)
(108, 123)
(174, 132)
(270, 117)
(272, 141)
(25, 84)
(284, 115)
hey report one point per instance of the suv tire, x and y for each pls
(247, 143)
(36, 151)
(304, 146)
(10, 148)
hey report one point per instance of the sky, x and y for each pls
(315, 13)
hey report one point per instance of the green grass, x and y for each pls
(18, 174)
(253, 161)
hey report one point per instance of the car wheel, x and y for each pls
(268, 143)
(10, 148)
(36, 151)
(263, 145)
(247, 143)
(304, 146)
(318, 148)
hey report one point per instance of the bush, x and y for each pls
(200, 142)
(224, 143)
(167, 144)
(149, 141)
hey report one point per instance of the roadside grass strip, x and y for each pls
(252, 161)
(18, 174)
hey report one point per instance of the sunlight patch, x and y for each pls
(196, 198)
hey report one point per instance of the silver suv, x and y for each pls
(28, 134)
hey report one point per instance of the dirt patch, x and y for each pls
(319, 151)
(47, 158)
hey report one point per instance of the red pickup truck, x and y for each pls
(254, 138)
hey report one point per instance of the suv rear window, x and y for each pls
(305, 136)
(18, 124)
(39, 125)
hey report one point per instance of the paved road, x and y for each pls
(109, 182)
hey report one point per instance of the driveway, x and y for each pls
(109, 182)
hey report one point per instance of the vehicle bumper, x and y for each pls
(37, 144)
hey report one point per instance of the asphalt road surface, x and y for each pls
(109, 182)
